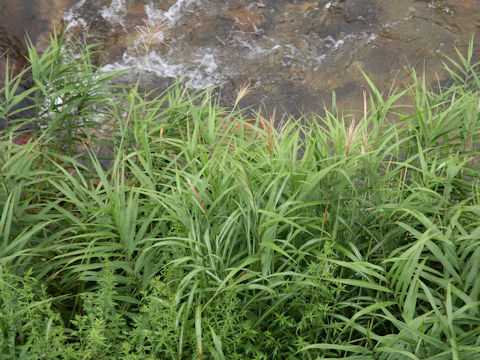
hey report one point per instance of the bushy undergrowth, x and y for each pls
(212, 237)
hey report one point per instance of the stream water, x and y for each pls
(294, 53)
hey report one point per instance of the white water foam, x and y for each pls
(199, 69)
(201, 72)
(72, 17)
(174, 12)
(329, 5)
(115, 12)
(153, 14)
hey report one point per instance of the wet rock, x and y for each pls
(33, 18)
(306, 7)
(468, 4)
(135, 14)
(52, 11)
(463, 7)
(249, 19)
(349, 17)
(50, 14)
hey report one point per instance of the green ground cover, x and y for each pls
(211, 236)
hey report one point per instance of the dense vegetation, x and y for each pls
(201, 234)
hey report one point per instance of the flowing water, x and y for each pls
(294, 53)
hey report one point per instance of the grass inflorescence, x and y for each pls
(212, 236)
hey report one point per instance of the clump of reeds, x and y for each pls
(328, 238)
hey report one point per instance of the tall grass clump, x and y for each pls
(213, 236)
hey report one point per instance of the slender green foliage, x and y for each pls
(208, 235)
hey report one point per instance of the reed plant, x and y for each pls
(341, 236)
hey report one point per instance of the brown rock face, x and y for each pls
(249, 19)
(468, 4)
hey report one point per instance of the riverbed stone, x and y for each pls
(249, 19)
